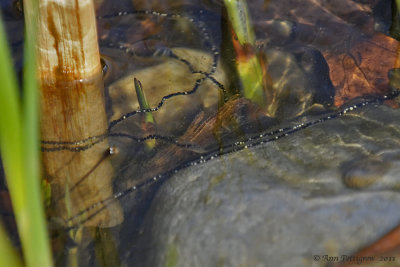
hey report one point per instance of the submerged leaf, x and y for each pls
(364, 69)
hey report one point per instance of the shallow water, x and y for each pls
(322, 59)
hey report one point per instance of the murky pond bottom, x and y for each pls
(214, 180)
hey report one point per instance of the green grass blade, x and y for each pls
(37, 248)
(8, 255)
(251, 76)
(248, 65)
(239, 17)
(19, 149)
(10, 125)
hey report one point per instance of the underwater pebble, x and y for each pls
(365, 173)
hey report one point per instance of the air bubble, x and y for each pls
(112, 150)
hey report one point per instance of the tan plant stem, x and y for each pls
(72, 109)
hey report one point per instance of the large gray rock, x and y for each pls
(330, 189)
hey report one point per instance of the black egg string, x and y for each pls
(109, 152)
(87, 143)
(166, 139)
(160, 104)
(203, 32)
(84, 144)
(200, 26)
(208, 75)
(75, 146)
(259, 139)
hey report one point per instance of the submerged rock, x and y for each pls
(170, 76)
(281, 203)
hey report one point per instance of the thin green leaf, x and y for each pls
(149, 121)
(248, 65)
(37, 248)
(10, 124)
(8, 255)
(20, 151)
(239, 17)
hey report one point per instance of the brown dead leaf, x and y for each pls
(387, 247)
(314, 12)
(208, 132)
(359, 58)
(235, 118)
(363, 70)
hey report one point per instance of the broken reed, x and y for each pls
(250, 64)
(73, 109)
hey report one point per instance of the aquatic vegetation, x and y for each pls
(250, 64)
(148, 122)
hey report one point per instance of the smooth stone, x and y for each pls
(280, 203)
